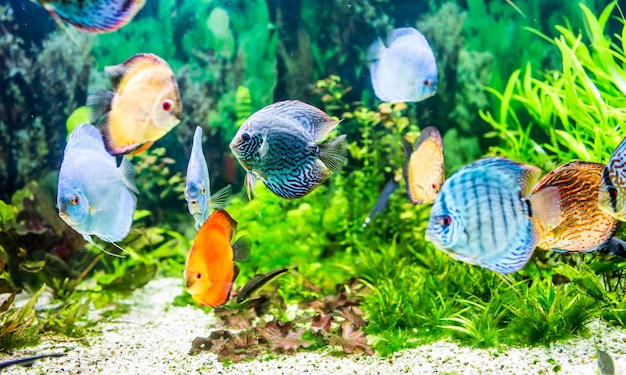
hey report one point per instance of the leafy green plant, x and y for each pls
(570, 114)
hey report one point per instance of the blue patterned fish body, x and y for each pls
(405, 70)
(280, 145)
(94, 16)
(481, 217)
(95, 196)
(198, 185)
(612, 194)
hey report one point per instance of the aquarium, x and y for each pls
(350, 187)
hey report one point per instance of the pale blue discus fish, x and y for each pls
(95, 196)
(481, 217)
(405, 70)
(280, 144)
(198, 185)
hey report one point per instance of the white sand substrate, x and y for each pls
(154, 338)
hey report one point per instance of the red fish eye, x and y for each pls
(427, 82)
(245, 137)
(75, 201)
(198, 275)
(167, 105)
(434, 186)
(612, 192)
(445, 221)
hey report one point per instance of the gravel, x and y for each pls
(154, 337)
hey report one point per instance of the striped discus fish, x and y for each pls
(612, 195)
(584, 226)
(279, 144)
(480, 215)
(94, 16)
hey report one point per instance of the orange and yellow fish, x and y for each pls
(144, 106)
(210, 270)
(584, 227)
(424, 170)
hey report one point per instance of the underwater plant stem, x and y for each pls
(82, 275)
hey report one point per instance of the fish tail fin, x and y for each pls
(128, 175)
(99, 102)
(241, 248)
(222, 197)
(333, 153)
(375, 51)
(615, 247)
(545, 206)
(141, 149)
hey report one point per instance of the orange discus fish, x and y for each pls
(584, 226)
(424, 171)
(144, 106)
(209, 270)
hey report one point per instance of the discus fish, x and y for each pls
(406, 70)
(612, 195)
(25, 361)
(585, 227)
(279, 144)
(481, 217)
(210, 270)
(95, 197)
(423, 170)
(259, 281)
(143, 108)
(198, 185)
(94, 16)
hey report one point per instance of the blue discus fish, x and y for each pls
(481, 217)
(95, 196)
(612, 194)
(406, 70)
(94, 16)
(198, 186)
(280, 145)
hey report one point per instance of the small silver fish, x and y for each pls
(279, 144)
(259, 281)
(406, 70)
(480, 215)
(382, 200)
(198, 185)
(25, 361)
(95, 197)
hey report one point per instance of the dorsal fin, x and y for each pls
(518, 177)
(313, 119)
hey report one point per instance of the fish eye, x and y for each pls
(245, 137)
(167, 105)
(428, 82)
(434, 186)
(198, 276)
(202, 191)
(612, 192)
(75, 200)
(445, 221)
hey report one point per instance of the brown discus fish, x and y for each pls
(584, 226)
(424, 170)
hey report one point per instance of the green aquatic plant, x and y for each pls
(574, 113)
